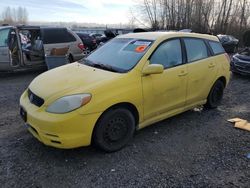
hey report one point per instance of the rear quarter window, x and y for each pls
(60, 35)
(216, 47)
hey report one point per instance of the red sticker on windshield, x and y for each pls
(141, 48)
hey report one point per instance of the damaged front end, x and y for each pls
(240, 62)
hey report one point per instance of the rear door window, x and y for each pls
(57, 35)
(196, 49)
(216, 47)
(168, 54)
(4, 34)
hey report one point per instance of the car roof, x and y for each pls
(39, 27)
(32, 27)
(158, 35)
(5, 27)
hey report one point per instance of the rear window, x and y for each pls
(216, 47)
(57, 35)
(84, 36)
(196, 49)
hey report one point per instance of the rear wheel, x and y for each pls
(215, 96)
(87, 51)
(114, 130)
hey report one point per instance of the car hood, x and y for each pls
(69, 79)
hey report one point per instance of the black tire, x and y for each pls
(215, 95)
(114, 129)
(70, 59)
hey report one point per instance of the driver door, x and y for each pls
(165, 93)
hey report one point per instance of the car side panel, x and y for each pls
(165, 92)
(201, 77)
(126, 89)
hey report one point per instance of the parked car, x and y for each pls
(229, 43)
(99, 37)
(88, 41)
(25, 47)
(240, 62)
(127, 84)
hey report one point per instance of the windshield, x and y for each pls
(118, 55)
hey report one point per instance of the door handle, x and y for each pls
(183, 73)
(211, 65)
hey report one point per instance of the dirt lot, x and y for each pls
(194, 149)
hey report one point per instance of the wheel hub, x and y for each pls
(116, 129)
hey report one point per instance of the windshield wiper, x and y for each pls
(105, 67)
(100, 65)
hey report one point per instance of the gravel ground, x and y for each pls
(194, 149)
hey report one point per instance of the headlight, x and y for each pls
(68, 103)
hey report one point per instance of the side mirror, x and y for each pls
(153, 69)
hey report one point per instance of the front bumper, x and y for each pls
(240, 68)
(66, 131)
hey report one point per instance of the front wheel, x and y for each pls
(114, 130)
(215, 96)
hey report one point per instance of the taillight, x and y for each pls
(81, 46)
(94, 41)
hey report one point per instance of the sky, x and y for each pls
(81, 11)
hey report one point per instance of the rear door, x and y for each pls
(4, 49)
(202, 70)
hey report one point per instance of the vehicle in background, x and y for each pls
(229, 43)
(88, 41)
(99, 37)
(129, 83)
(108, 36)
(240, 62)
(25, 47)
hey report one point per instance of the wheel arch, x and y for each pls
(71, 58)
(127, 105)
(223, 79)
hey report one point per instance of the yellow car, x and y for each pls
(129, 83)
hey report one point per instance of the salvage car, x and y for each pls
(99, 37)
(240, 62)
(88, 41)
(229, 43)
(25, 47)
(129, 83)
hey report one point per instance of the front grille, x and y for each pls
(34, 99)
(241, 64)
